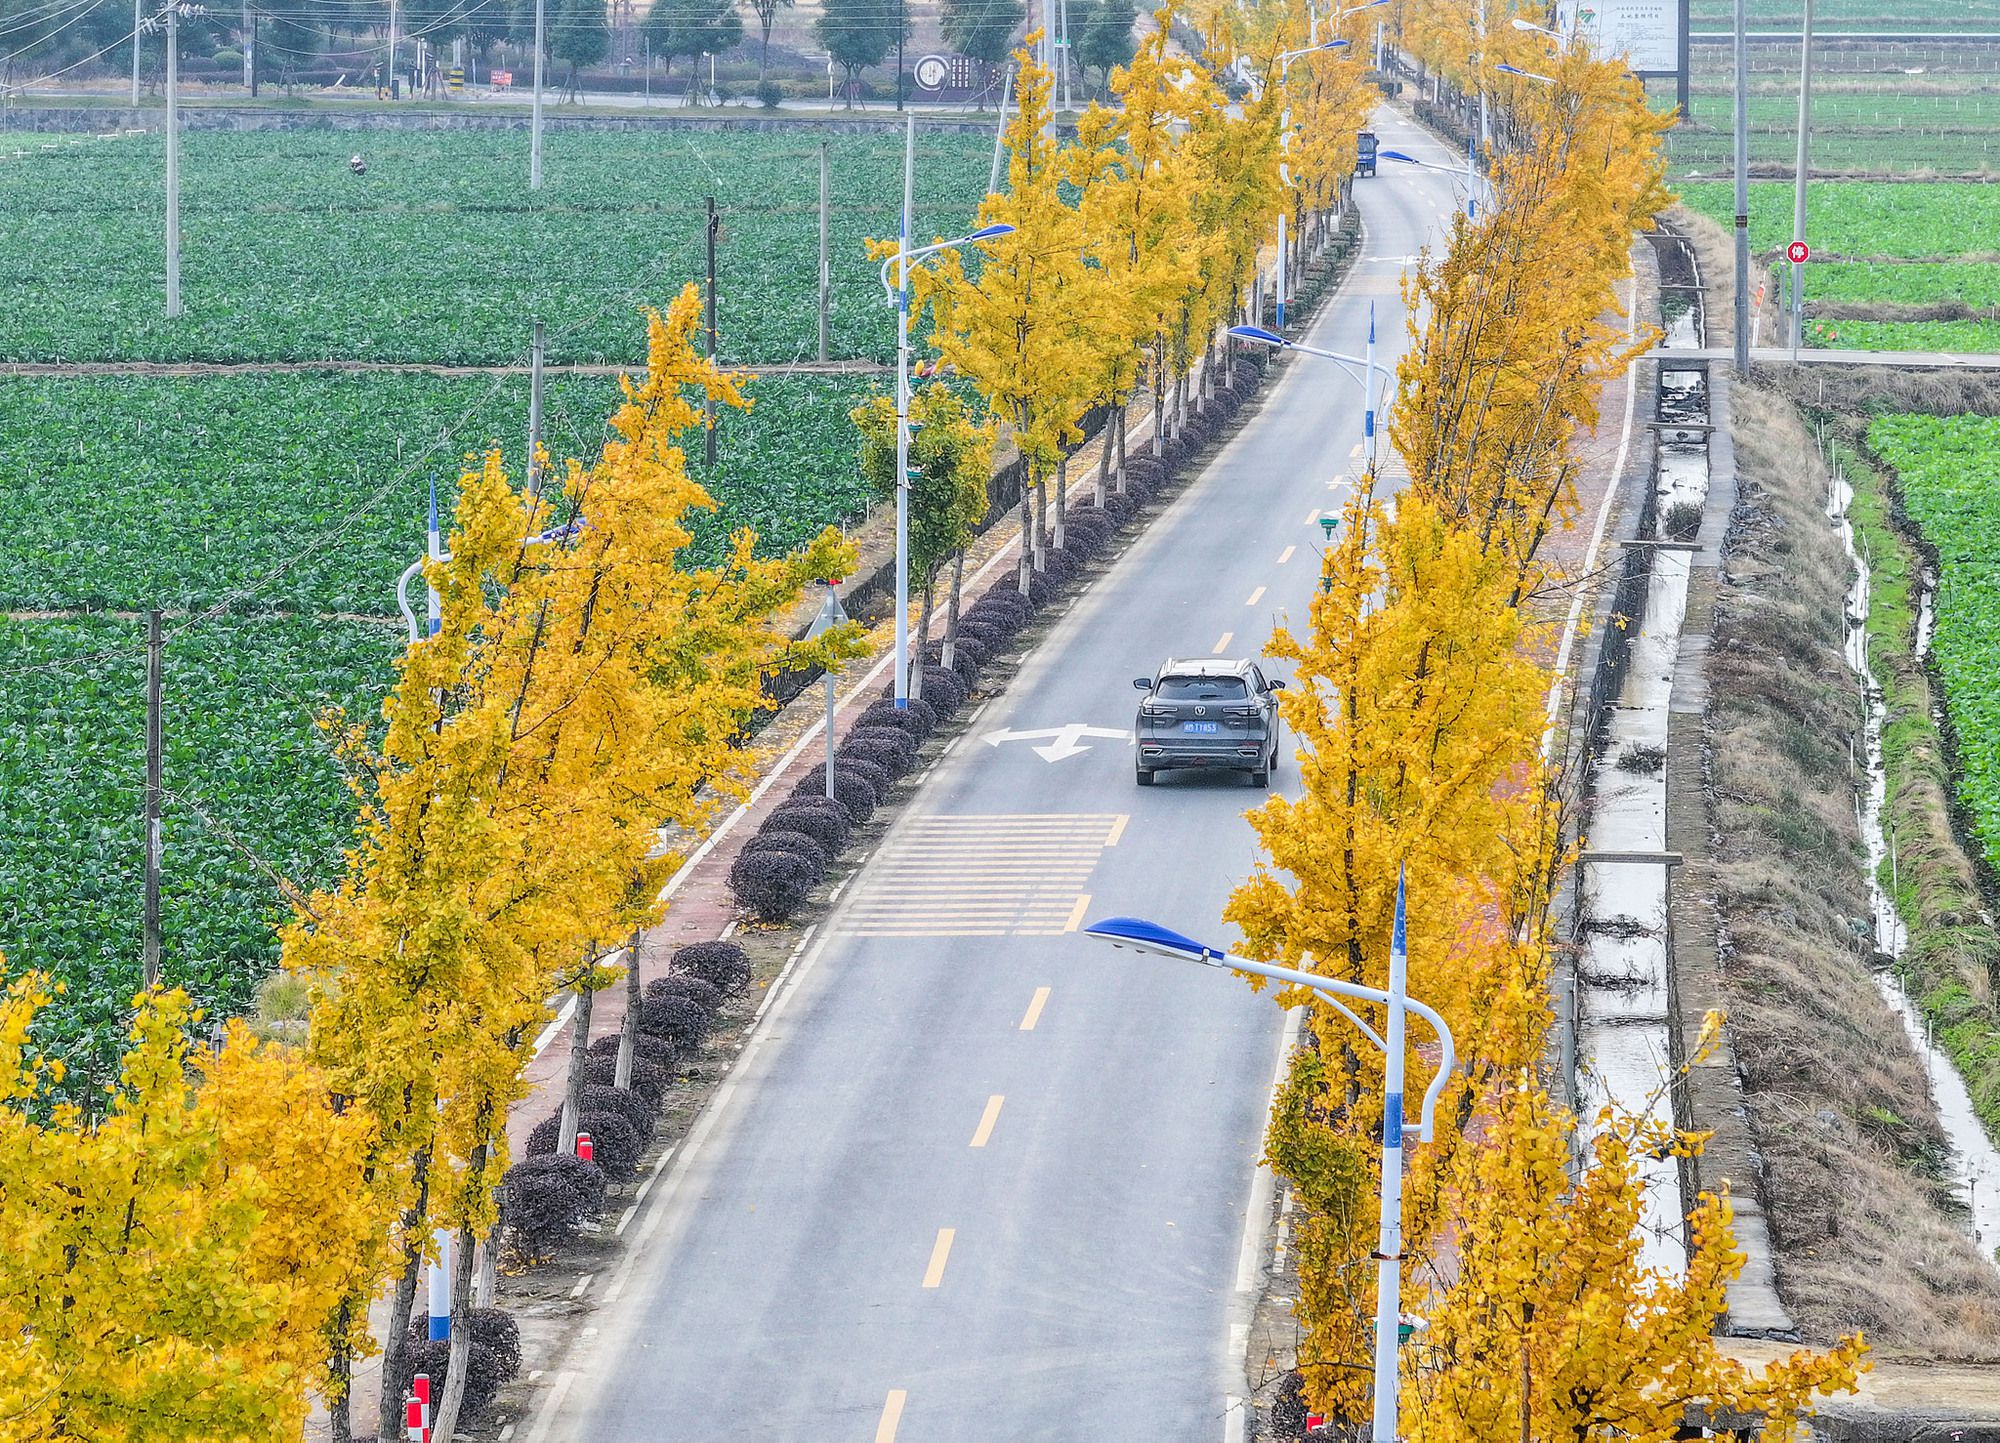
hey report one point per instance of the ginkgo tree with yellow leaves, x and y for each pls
(585, 688)
(1420, 708)
(171, 1266)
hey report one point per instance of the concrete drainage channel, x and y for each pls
(1623, 1004)
(1975, 1163)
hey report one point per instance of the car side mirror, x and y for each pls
(1277, 686)
(1144, 683)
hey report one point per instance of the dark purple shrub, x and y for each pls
(799, 844)
(620, 1100)
(485, 1374)
(704, 995)
(820, 818)
(773, 885)
(944, 690)
(724, 965)
(886, 757)
(894, 738)
(917, 718)
(857, 786)
(652, 1051)
(544, 1199)
(649, 1082)
(679, 1020)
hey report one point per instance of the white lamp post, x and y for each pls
(1138, 935)
(899, 296)
(1371, 393)
(1473, 179)
(1505, 69)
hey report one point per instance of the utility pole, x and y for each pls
(1000, 131)
(250, 57)
(389, 70)
(535, 119)
(138, 29)
(151, 937)
(902, 29)
(1742, 197)
(173, 162)
(1062, 50)
(535, 415)
(709, 405)
(1799, 180)
(825, 257)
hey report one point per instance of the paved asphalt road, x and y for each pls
(982, 1179)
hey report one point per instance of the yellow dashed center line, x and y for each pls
(1312, 517)
(1117, 830)
(1286, 554)
(1223, 645)
(1076, 913)
(892, 1415)
(981, 1133)
(1255, 597)
(940, 1250)
(1035, 1006)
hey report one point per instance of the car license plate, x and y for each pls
(1206, 728)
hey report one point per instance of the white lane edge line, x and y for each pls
(547, 1417)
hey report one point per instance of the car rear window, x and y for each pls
(1201, 688)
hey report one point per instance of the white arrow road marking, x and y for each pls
(1066, 741)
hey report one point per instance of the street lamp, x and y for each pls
(1505, 69)
(1370, 393)
(171, 15)
(1528, 27)
(1138, 935)
(899, 296)
(1472, 176)
(434, 551)
(1284, 145)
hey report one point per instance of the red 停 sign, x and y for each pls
(503, 77)
(1798, 252)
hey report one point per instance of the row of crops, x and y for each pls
(293, 499)
(438, 252)
(1884, 247)
(1948, 474)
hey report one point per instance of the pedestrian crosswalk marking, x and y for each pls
(996, 875)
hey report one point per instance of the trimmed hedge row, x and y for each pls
(548, 1197)
(792, 851)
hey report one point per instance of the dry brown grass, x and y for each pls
(1867, 1235)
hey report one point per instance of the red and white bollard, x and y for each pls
(413, 1419)
(421, 1386)
(584, 1149)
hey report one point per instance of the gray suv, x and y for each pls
(1209, 713)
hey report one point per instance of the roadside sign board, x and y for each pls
(1798, 253)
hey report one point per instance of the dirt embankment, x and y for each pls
(1866, 1230)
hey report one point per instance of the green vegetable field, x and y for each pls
(1949, 474)
(295, 497)
(440, 253)
(1883, 244)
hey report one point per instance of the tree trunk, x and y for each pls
(1027, 566)
(628, 1030)
(1107, 438)
(579, 1043)
(1159, 400)
(486, 1281)
(1062, 500)
(923, 636)
(389, 1410)
(950, 653)
(1042, 526)
(1124, 420)
(340, 1377)
(444, 1422)
(764, 55)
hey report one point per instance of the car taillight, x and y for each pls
(1156, 711)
